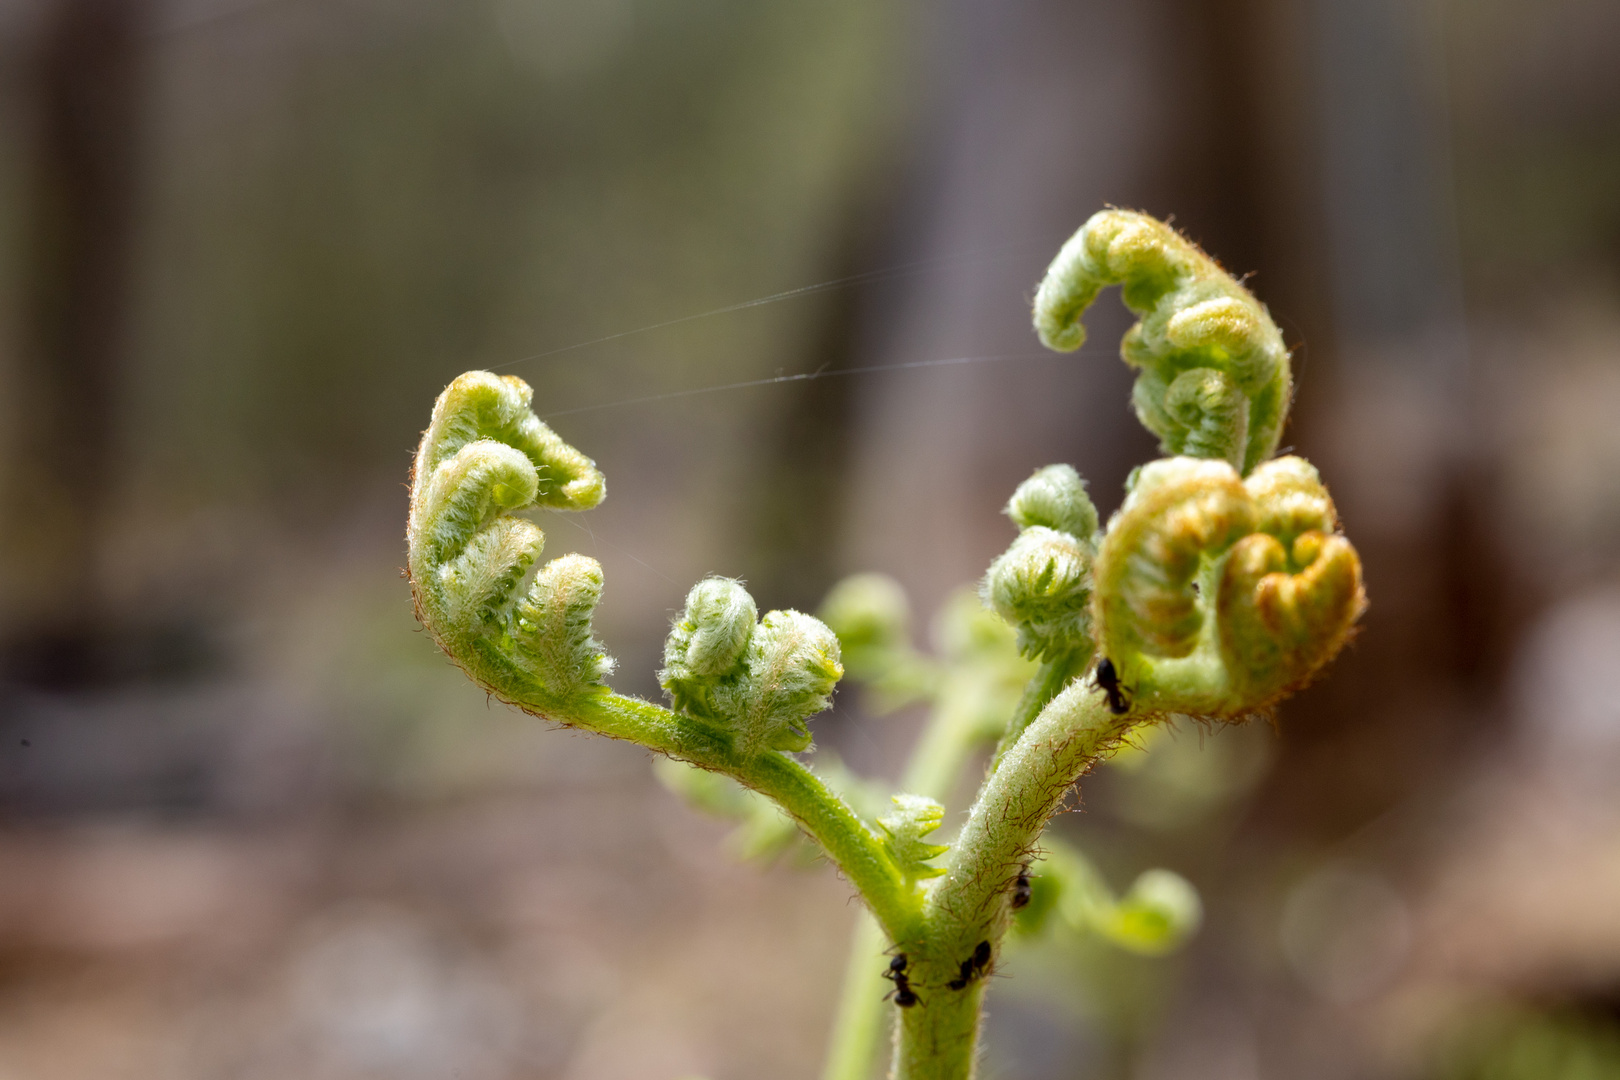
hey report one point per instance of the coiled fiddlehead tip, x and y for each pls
(483, 456)
(706, 642)
(1218, 596)
(1215, 378)
(1291, 592)
(480, 405)
(1291, 498)
(1179, 510)
(763, 681)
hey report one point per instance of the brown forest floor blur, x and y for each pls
(254, 826)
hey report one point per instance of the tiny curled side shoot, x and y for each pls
(764, 681)
(905, 828)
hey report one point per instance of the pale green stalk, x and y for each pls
(860, 1020)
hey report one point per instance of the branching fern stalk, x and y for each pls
(1222, 585)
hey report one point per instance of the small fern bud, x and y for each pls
(1160, 911)
(1214, 376)
(869, 613)
(913, 818)
(1042, 583)
(551, 626)
(787, 675)
(1042, 586)
(1056, 498)
(707, 642)
(763, 681)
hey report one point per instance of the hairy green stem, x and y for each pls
(939, 1037)
(936, 763)
(842, 835)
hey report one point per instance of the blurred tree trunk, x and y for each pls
(81, 217)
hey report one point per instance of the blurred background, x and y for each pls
(253, 825)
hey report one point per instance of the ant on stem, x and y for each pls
(1021, 889)
(904, 996)
(1108, 680)
(973, 967)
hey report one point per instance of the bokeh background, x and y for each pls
(253, 825)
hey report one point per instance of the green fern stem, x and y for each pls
(849, 842)
(938, 1038)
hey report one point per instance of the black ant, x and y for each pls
(1108, 680)
(904, 996)
(1021, 889)
(972, 967)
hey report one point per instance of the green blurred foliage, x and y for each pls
(1516, 1044)
(370, 201)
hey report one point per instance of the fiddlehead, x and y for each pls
(1147, 596)
(484, 455)
(1218, 596)
(1220, 586)
(1208, 594)
(1214, 376)
(706, 643)
(1291, 592)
